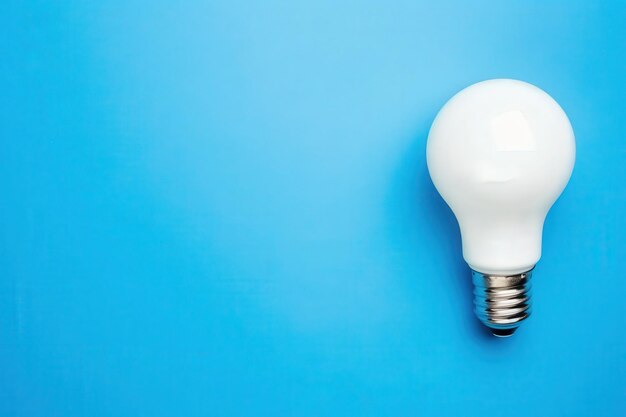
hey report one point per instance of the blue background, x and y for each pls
(223, 209)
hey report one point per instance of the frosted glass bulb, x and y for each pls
(500, 153)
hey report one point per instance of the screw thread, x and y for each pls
(502, 302)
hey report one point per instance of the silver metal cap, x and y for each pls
(502, 302)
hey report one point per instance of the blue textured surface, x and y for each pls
(224, 210)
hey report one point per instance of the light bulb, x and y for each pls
(500, 153)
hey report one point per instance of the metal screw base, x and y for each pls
(502, 302)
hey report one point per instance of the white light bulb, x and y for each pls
(500, 153)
